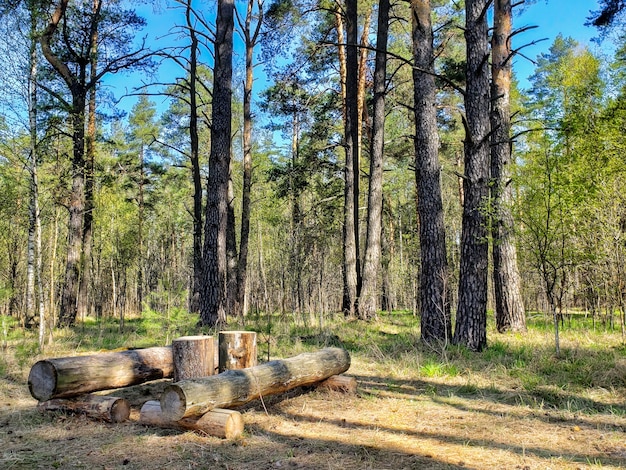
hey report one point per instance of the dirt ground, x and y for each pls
(393, 422)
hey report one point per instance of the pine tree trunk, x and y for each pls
(33, 216)
(194, 156)
(37, 292)
(242, 264)
(368, 300)
(213, 293)
(351, 173)
(76, 80)
(85, 279)
(471, 317)
(506, 278)
(69, 294)
(433, 292)
(231, 252)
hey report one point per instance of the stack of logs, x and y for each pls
(198, 399)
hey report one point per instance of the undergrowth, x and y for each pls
(514, 367)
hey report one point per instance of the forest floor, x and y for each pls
(514, 406)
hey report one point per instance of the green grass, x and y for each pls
(525, 366)
(437, 369)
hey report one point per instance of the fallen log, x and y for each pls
(232, 388)
(194, 356)
(107, 408)
(225, 424)
(339, 383)
(237, 350)
(72, 376)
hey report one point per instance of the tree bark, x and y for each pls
(510, 314)
(71, 376)
(69, 308)
(34, 293)
(225, 424)
(237, 387)
(251, 38)
(193, 356)
(364, 52)
(76, 81)
(433, 292)
(237, 350)
(231, 251)
(341, 55)
(471, 317)
(368, 298)
(194, 157)
(107, 408)
(351, 268)
(87, 242)
(213, 293)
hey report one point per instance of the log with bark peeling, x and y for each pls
(72, 376)
(232, 388)
(225, 424)
(237, 350)
(107, 408)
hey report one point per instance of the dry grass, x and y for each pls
(514, 406)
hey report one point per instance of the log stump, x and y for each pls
(232, 388)
(225, 424)
(107, 408)
(237, 350)
(72, 376)
(194, 356)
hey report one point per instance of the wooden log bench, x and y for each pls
(106, 408)
(225, 424)
(73, 376)
(195, 397)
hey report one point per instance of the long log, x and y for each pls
(232, 388)
(72, 376)
(107, 408)
(225, 424)
(194, 356)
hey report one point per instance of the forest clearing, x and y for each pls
(365, 176)
(515, 405)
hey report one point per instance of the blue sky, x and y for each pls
(551, 17)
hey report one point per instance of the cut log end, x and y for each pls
(226, 424)
(120, 411)
(42, 380)
(173, 403)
